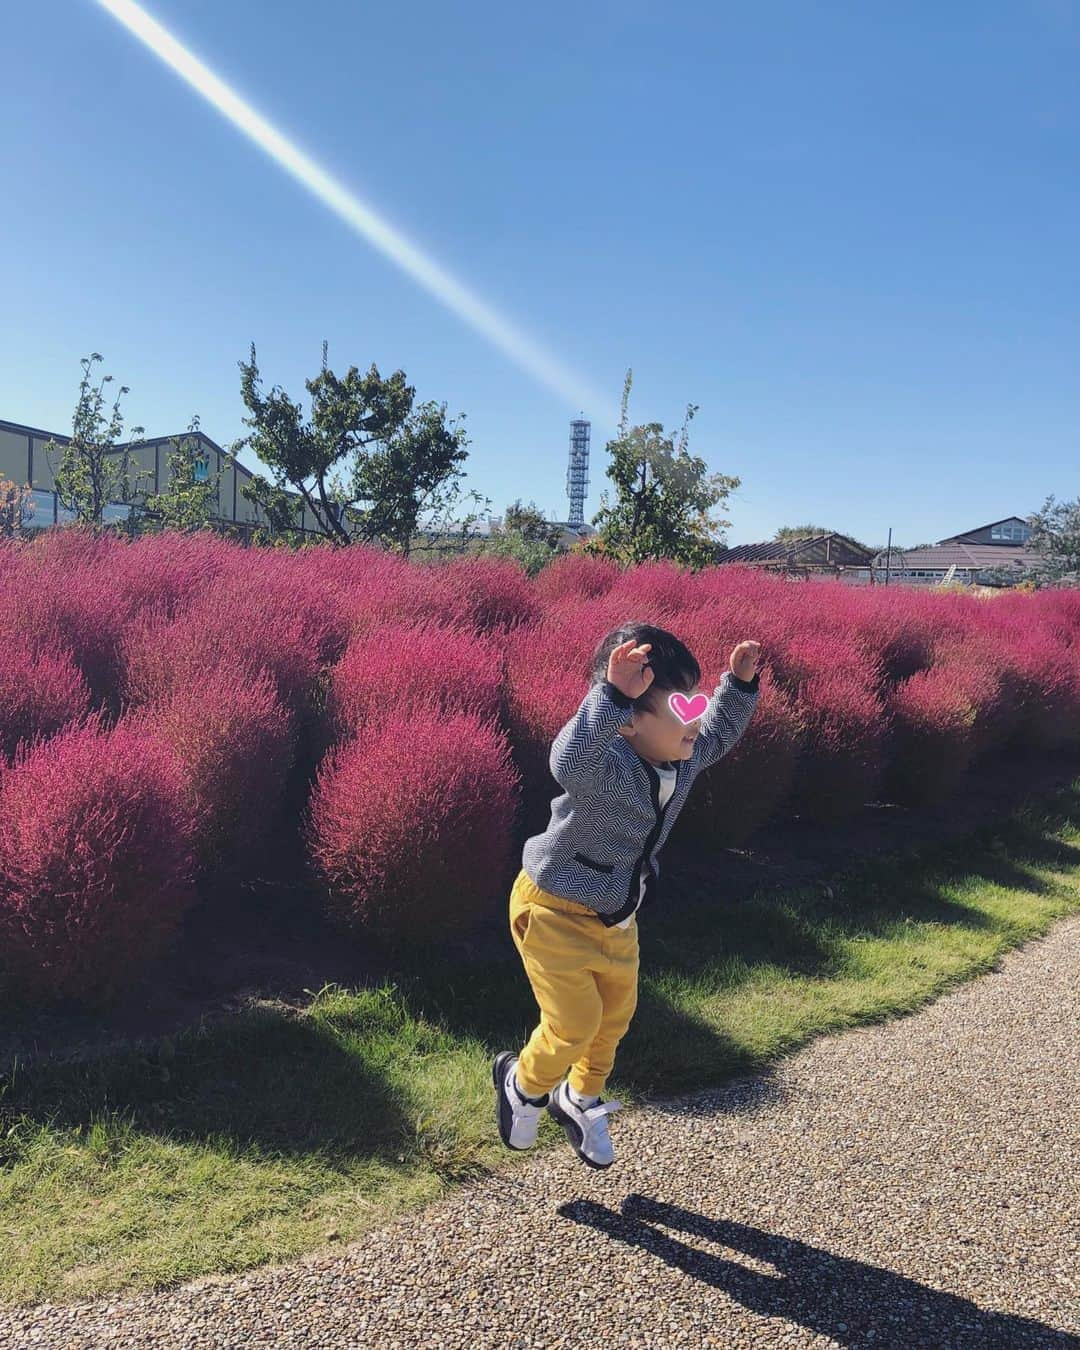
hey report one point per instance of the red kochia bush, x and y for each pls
(832, 683)
(167, 571)
(11, 558)
(898, 632)
(982, 674)
(257, 629)
(663, 588)
(271, 585)
(931, 736)
(96, 861)
(1037, 670)
(488, 594)
(567, 635)
(841, 761)
(1056, 608)
(83, 593)
(68, 594)
(542, 690)
(1050, 701)
(410, 827)
(394, 670)
(576, 575)
(547, 675)
(811, 655)
(370, 585)
(736, 796)
(236, 742)
(1022, 682)
(39, 691)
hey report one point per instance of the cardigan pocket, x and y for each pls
(598, 867)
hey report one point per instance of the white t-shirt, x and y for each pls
(667, 787)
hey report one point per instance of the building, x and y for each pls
(572, 533)
(1010, 532)
(822, 556)
(972, 558)
(23, 460)
(569, 533)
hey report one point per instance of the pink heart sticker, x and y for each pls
(688, 710)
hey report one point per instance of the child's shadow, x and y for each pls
(834, 1295)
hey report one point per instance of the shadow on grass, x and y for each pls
(263, 1080)
(290, 1085)
(870, 896)
(802, 935)
(283, 1085)
(847, 1300)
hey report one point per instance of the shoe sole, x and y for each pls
(574, 1134)
(504, 1116)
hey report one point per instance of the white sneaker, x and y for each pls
(586, 1126)
(517, 1116)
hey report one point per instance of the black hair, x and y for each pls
(671, 661)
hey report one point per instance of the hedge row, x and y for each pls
(160, 699)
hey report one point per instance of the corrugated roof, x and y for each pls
(748, 552)
(798, 550)
(963, 555)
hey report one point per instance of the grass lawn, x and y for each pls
(275, 1133)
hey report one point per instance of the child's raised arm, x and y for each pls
(732, 704)
(578, 751)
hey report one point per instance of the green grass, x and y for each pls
(274, 1133)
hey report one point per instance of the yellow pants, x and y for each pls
(584, 976)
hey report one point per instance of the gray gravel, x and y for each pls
(906, 1185)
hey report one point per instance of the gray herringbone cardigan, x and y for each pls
(608, 825)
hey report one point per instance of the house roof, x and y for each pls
(978, 556)
(25, 430)
(61, 439)
(22, 429)
(1005, 520)
(813, 549)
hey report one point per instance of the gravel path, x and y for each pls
(904, 1185)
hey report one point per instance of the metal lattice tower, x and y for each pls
(577, 473)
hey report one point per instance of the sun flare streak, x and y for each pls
(361, 217)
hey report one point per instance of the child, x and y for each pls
(626, 761)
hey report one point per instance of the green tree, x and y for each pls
(525, 535)
(190, 499)
(93, 471)
(787, 534)
(663, 497)
(367, 464)
(1055, 538)
(792, 534)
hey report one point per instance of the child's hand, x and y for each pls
(744, 659)
(627, 671)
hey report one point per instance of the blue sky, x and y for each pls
(847, 231)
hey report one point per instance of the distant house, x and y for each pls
(971, 558)
(572, 534)
(569, 534)
(822, 556)
(1011, 530)
(23, 460)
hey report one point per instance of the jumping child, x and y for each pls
(626, 761)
